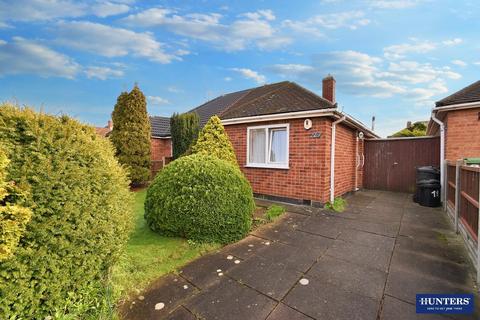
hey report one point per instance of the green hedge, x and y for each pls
(13, 218)
(201, 198)
(79, 197)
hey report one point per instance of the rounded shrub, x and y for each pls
(202, 198)
(79, 199)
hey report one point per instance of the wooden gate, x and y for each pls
(390, 163)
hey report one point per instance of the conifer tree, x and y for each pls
(213, 140)
(184, 129)
(131, 134)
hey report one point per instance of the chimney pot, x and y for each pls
(110, 125)
(328, 88)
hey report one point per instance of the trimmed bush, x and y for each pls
(184, 129)
(201, 198)
(80, 202)
(213, 140)
(13, 218)
(131, 134)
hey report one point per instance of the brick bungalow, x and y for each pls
(458, 116)
(282, 136)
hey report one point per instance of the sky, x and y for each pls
(391, 59)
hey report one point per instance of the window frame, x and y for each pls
(268, 164)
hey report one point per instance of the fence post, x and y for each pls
(478, 233)
(445, 185)
(457, 192)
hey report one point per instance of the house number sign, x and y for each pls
(316, 134)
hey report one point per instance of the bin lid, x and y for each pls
(429, 183)
(472, 160)
(428, 169)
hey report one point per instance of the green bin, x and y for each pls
(470, 161)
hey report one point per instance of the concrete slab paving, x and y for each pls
(376, 241)
(350, 276)
(168, 292)
(328, 302)
(273, 278)
(204, 271)
(366, 263)
(283, 312)
(291, 257)
(181, 314)
(377, 258)
(231, 300)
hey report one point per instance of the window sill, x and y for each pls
(267, 166)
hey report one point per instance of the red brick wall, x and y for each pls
(161, 149)
(463, 134)
(308, 176)
(346, 160)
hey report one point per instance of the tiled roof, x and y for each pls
(281, 97)
(467, 94)
(102, 131)
(160, 126)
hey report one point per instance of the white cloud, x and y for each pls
(394, 4)
(417, 46)
(260, 14)
(452, 42)
(399, 51)
(227, 79)
(477, 63)
(21, 56)
(316, 25)
(106, 9)
(250, 74)
(174, 89)
(102, 73)
(360, 74)
(43, 10)
(250, 29)
(156, 100)
(111, 42)
(459, 63)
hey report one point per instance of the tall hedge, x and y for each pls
(79, 198)
(13, 218)
(202, 198)
(214, 141)
(184, 129)
(131, 134)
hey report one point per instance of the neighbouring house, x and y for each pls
(161, 142)
(282, 134)
(459, 115)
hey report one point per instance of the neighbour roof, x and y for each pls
(102, 131)
(281, 97)
(160, 126)
(467, 94)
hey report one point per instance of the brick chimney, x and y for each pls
(110, 125)
(328, 88)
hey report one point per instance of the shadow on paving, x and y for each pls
(366, 263)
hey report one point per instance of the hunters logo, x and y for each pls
(445, 303)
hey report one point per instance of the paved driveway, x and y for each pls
(365, 263)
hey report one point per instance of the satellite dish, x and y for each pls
(361, 135)
(307, 124)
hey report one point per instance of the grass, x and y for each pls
(338, 205)
(149, 255)
(274, 211)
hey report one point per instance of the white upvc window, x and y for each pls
(267, 146)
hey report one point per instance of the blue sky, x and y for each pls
(391, 59)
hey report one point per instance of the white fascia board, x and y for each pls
(459, 106)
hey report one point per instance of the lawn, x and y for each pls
(149, 255)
